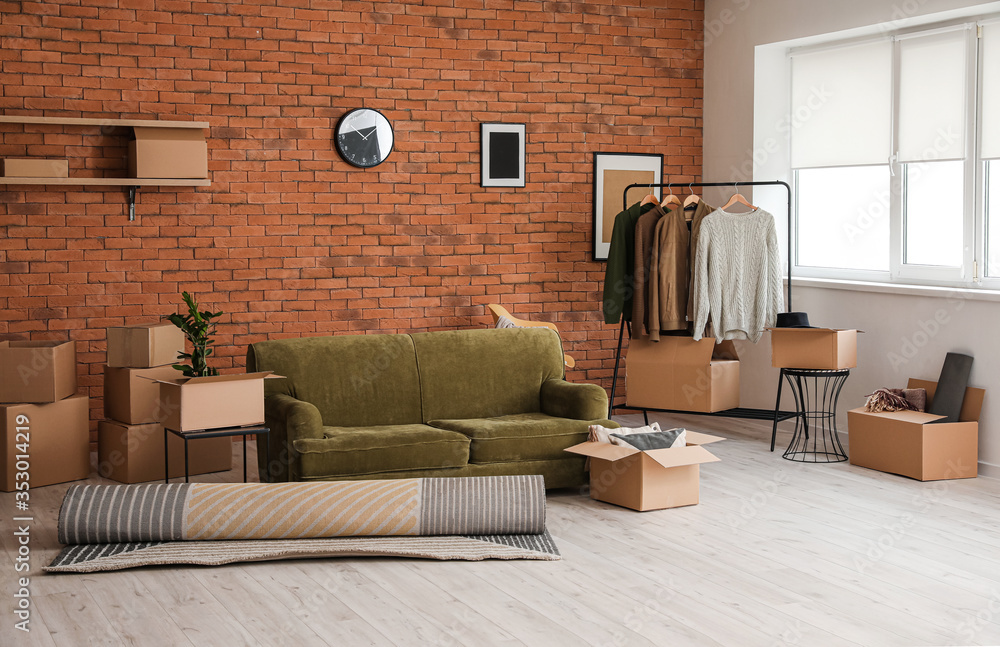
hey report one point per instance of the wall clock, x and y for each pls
(364, 137)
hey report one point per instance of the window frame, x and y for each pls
(973, 272)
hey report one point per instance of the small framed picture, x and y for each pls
(613, 172)
(502, 154)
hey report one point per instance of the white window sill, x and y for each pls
(974, 294)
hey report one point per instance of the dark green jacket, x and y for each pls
(619, 277)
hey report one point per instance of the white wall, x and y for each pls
(907, 334)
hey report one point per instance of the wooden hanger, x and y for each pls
(737, 197)
(691, 199)
(670, 199)
(649, 198)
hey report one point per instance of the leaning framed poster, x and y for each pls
(612, 173)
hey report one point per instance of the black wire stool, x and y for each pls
(815, 439)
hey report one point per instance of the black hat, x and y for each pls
(792, 320)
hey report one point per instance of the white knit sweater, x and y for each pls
(737, 275)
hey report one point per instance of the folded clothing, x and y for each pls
(599, 434)
(654, 440)
(896, 400)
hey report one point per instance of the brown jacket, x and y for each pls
(669, 274)
(644, 228)
(670, 264)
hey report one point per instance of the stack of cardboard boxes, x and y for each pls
(130, 441)
(44, 423)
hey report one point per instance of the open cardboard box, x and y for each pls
(682, 374)
(56, 437)
(144, 345)
(132, 397)
(193, 403)
(815, 348)
(647, 480)
(37, 371)
(910, 444)
(134, 453)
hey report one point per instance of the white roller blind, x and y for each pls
(990, 126)
(932, 97)
(842, 106)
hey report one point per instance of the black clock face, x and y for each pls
(364, 137)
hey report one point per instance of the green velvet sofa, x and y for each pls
(451, 403)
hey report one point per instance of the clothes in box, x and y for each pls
(647, 480)
(49, 443)
(144, 345)
(814, 348)
(194, 403)
(134, 453)
(131, 396)
(682, 374)
(911, 444)
(37, 371)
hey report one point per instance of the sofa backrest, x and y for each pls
(354, 380)
(485, 372)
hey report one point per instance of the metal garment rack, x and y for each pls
(739, 412)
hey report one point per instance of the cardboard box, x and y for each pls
(35, 168)
(647, 480)
(168, 153)
(134, 453)
(194, 403)
(131, 396)
(55, 437)
(37, 371)
(908, 443)
(144, 345)
(682, 374)
(817, 348)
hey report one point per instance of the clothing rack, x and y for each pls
(739, 412)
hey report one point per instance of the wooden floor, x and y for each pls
(777, 553)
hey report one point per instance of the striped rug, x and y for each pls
(109, 527)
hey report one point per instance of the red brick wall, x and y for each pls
(289, 240)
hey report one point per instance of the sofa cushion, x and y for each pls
(354, 380)
(518, 437)
(348, 451)
(486, 372)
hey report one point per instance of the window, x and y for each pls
(895, 157)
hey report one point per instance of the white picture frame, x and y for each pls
(502, 159)
(613, 172)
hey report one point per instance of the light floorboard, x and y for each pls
(776, 553)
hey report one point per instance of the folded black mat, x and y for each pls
(950, 392)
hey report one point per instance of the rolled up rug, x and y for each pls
(105, 522)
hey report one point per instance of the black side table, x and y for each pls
(253, 430)
(816, 393)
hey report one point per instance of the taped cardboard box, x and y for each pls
(144, 345)
(682, 374)
(134, 453)
(132, 397)
(815, 348)
(168, 153)
(647, 480)
(910, 444)
(48, 442)
(37, 371)
(35, 168)
(194, 403)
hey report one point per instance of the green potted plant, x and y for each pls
(198, 327)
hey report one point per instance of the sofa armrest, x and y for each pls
(579, 401)
(289, 420)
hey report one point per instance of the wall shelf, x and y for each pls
(123, 123)
(104, 181)
(130, 184)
